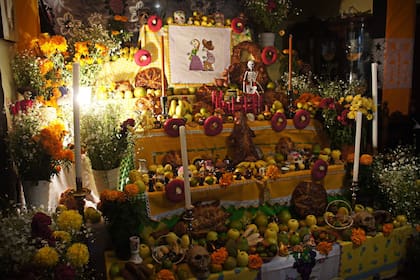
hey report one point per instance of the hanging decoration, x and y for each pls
(155, 23)
(142, 57)
(269, 55)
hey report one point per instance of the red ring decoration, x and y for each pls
(319, 170)
(301, 119)
(174, 190)
(237, 25)
(270, 50)
(142, 57)
(171, 126)
(213, 125)
(155, 23)
(278, 122)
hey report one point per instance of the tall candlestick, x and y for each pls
(184, 156)
(357, 146)
(162, 64)
(375, 105)
(290, 62)
(76, 124)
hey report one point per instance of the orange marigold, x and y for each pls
(255, 261)
(131, 190)
(358, 236)
(219, 256)
(366, 159)
(387, 228)
(226, 180)
(165, 274)
(273, 171)
(324, 247)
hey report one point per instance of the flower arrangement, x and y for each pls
(270, 14)
(40, 69)
(36, 141)
(105, 135)
(338, 109)
(38, 245)
(124, 213)
(397, 174)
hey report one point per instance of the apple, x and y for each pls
(141, 185)
(324, 157)
(253, 226)
(233, 233)
(402, 219)
(242, 259)
(270, 233)
(326, 151)
(185, 241)
(212, 236)
(274, 226)
(261, 220)
(336, 154)
(293, 224)
(328, 215)
(359, 208)
(140, 92)
(284, 216)
(271, 241)
(311, 220)
(144, 251)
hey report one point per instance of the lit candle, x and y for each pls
(290, 62)
(184, 156)
(76, 124)
(357, 146)
(162, 56)
(375, 105)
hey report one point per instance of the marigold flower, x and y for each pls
(324, 247)
(78, 255)
(46, 256)
(131, 190)
(387, 229)
(61, 235)
(69, 220)
(366, 159)
(219, 256)
(358, 236)
(165, 274)
(255, 261)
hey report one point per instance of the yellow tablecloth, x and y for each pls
(378, 255)
(153, 145)
(244, 193)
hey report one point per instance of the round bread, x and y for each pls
(309, 197)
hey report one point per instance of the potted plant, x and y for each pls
(36, 146)
(106, 138)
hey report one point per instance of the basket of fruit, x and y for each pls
(338, 214)
(168, 249)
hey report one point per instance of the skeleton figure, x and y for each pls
(366, 221)
(249, 83)
(199, 261)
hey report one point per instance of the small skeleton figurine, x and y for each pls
(249, 83)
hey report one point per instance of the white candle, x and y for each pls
(375, 105)
(184, 156)
(76, 124)
(357, 146)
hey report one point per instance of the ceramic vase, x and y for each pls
(36, 193)
(106, 179)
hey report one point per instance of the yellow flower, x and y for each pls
(69, 220)
(349, 98)
(369, 117)
(78, 254)
(62, 235)
(351, 115)
(46, 256)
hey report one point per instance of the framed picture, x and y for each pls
(198, 54)
(8, 20)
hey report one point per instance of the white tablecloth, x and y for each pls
(280, 268)
(67, 179)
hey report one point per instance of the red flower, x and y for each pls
(64, 272)
(319, 170)
(40, 227)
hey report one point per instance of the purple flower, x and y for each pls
(342, 118)
(326, 103)
(127, 123)
(40, 227)
(64, 272)
(319, 170)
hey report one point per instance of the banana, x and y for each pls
(172, 107)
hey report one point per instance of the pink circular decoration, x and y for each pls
(237, 25)
(142, 57)
(319, 170)
(301, 119)
(155, 23)
(269, 55)
(278, 122)
(174, 190)
(213, 125)
(171, 126)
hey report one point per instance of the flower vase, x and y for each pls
(36, 193)
(106, 179)
(267, 39)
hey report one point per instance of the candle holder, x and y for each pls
(189, 218)
(80, 195)
(290, 101)
(164, 103)
(354, 188)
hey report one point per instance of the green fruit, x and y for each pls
(230, 263)
(294, 239)
(166, 263)
(236, 224)
(283, 237)
(284, 216)
(261, 220)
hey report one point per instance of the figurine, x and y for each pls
(250, 84)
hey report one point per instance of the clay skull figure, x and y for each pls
(366, 221)
(199, 261)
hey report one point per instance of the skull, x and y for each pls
(179, 17)
(251, 65)
(366, 221)
(199, 261)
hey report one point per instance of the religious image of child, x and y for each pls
(195, 61)
(209, 59)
